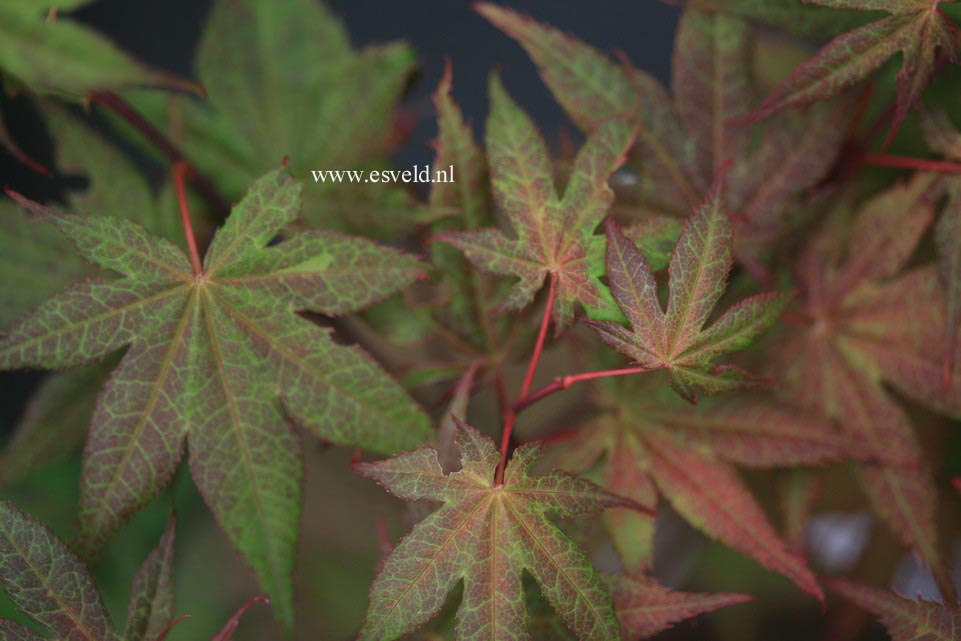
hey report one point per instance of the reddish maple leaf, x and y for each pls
(905, 619)
(867, 323)
(677, 339)
(553, 234)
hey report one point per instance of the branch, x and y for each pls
(510, 415)
(205, 188)
(563, 382)
(180, 171)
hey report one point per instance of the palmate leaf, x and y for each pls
(793, 16)
(869, 324)
(905, 619)
(224, 355)
(335, 113)
(652, 443)
(64, 58)
(916, 29)
(552, 235)
(487, 535)
(676, 339)
(685, 142)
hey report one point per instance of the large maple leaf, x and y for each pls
(553, 235)
(654, 444)
(487, 535)
(905, 619)
(223, 355)
(917, 29)
(677, 339)
(686, 141)
(335, 113)
(866, 324)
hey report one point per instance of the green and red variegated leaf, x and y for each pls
(709, 495)
(676, 339)
(487, 535)
(905, 619)
(916, 30)
(552, 234)
(646, 608)
(47, 582)
(224, 355)
(13, 631)
(152, 602)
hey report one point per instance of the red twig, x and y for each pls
(180, 171)
(879, 159)
(510, 415)
(205, 188)
(163, 635)
(563, 382)
(227, 632)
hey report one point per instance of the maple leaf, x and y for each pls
(792, 16)
(676, 339)
(554, 235)
(221, 354)
(487, 535)
(37, 262)
(646, 608)
(917, 29)
(866, 324)
(685, 142)
(335, 113)
(905, 619)
(62, 57)
(48, 583)
(654, 444)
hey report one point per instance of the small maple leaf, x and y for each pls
(917, 29)
(687, 140)
(676, 339)
(211, 356)
(654, 444)
(554, 235)
(866, 325)
(905, 619)
(487, 535)
(646, 608)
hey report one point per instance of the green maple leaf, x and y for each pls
(793, 16)
(676, 339)
(222, 355)
(905, 619)
(37, 261)
(487, 535)
(64, 58)
(868, 325)
(687, 140)
(917, 29)
(48, 583)
(651, 443)
(334, 113)
(553, 235)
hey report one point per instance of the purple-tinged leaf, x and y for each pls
(905, 619)
(151, 607)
